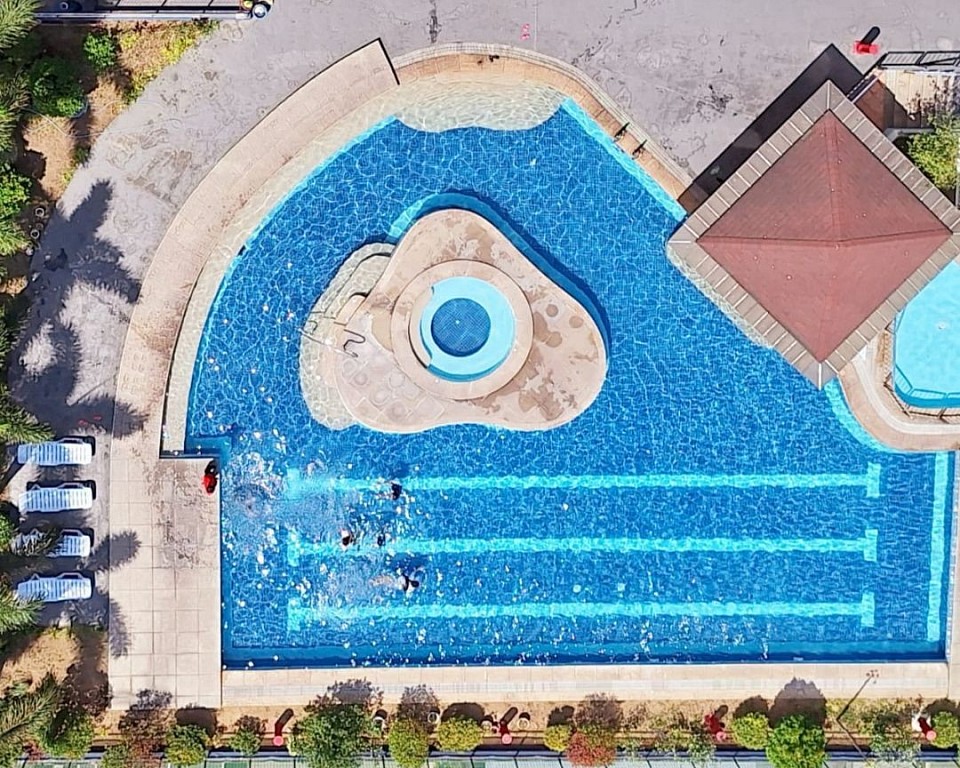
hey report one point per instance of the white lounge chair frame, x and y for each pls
(62, 498)
(68, 451)
(55, 589)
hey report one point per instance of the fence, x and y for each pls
(525, 759)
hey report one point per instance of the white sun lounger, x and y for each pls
(72, 543)
(62, 498)
(55, 589)
(57, 453)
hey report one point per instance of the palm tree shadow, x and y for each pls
(49, 372)
(114, 551)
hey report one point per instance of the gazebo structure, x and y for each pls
(816, 242)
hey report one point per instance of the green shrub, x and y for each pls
(935, 153)
(101, 50)
(12, 240)
(186, 745)
(69, 735)
(14, 191)
(892, 739)
(246, 741)
(751, 730)
(796, 742)
(557, 737)
(331, 735)
(947, 727)
(117, 756)
(681, 736)
(408, 743)
(54, 88)
(592, 745)
(459, 734)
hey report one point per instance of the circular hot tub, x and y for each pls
(467, 328)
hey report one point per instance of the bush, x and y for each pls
(592, 745)
(14, 191)
(186, 745)
(69, 735)
(935, 153)
(331, 735)
(117, 756)
(101, 49)
(751, 730)
(408, 743)
(892, 739)
(54, 88)
(247, 739)
(947, 727)
(796, 742)
(12, 240)
(459, 734)
(557, 737)
(680, 735)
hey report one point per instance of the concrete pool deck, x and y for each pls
(660, 56)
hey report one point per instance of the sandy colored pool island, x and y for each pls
(373, 353)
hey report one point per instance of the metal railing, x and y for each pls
(537, 758)
(89, 11)
(947, 62)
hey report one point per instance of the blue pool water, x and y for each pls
(927, 344)
(709, 505)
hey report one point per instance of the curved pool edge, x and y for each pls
(323, 132)
(172, 596)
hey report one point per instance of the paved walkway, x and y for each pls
(695, 76)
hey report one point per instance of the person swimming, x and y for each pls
(396, 490)
(347, 538)
(407, 584)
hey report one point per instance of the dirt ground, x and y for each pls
(55, 146)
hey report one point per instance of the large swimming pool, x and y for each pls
(709, 505)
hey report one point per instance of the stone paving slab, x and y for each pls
(628, 682)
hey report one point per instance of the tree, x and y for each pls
(17, 18)
(186, 745)
(892, 740)
(592, 745)
(935, 153)
(796, 742)
(751, 730)
(18, 426)
(69, 735)
(459, 734)
(557, 737)
(408, 743)
(947, 727)
(23, 716)
(331, 735)
(15, 614)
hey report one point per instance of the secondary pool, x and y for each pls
(926, 346)
(709, 505)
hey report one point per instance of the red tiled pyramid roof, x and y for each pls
(824, 236)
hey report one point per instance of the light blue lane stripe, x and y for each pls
(532, 544)
(298, 614)
(938, 552)
(870, 481)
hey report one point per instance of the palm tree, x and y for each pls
(13, 98)
(18, 426)
(15, 614)
(12, 238)
(17, 17)
(23, 715)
